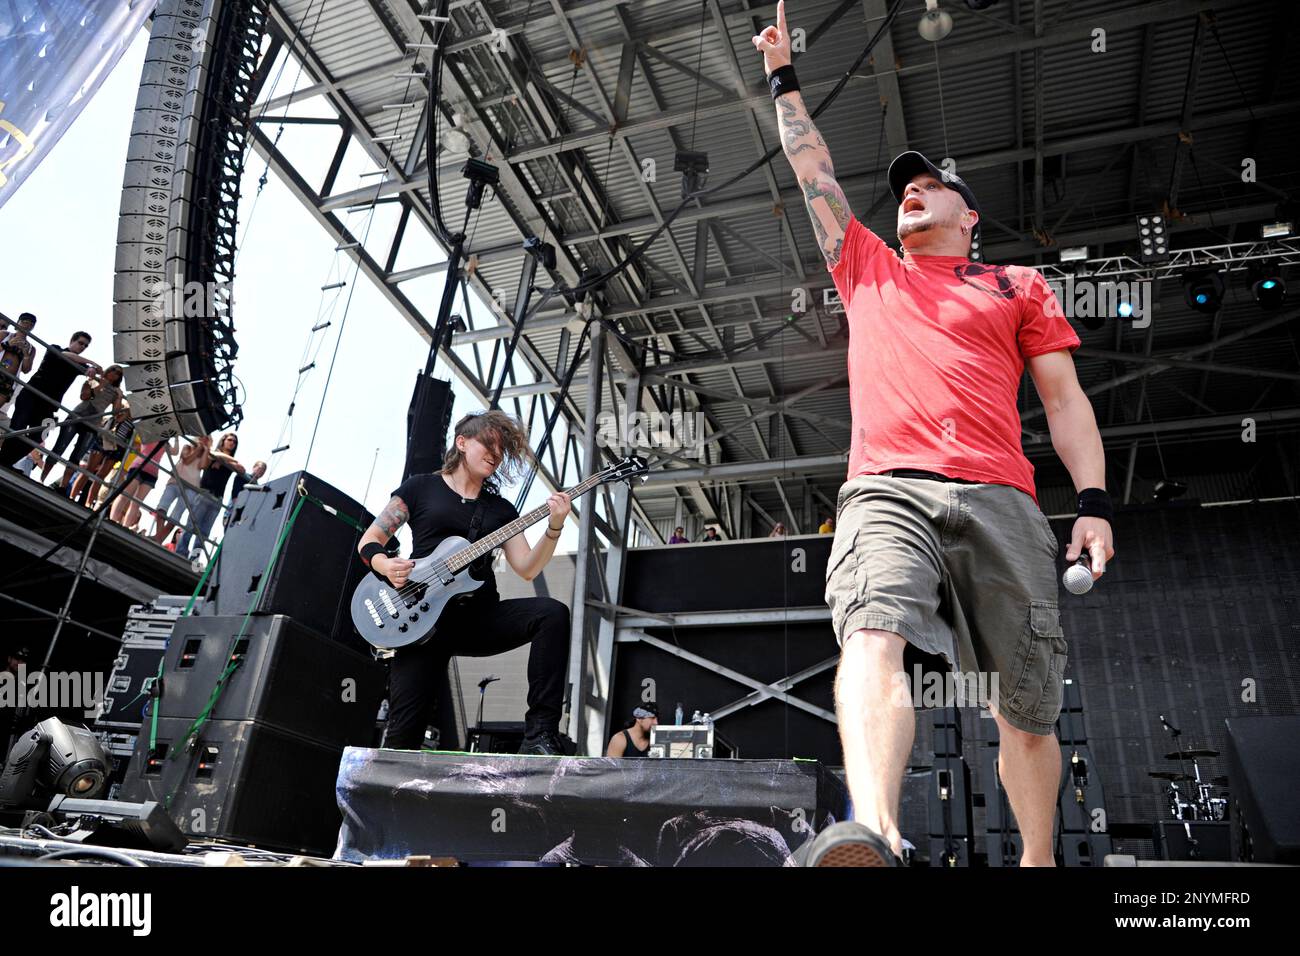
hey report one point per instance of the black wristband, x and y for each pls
(1095, 503)
(369, 551)
(782, 80)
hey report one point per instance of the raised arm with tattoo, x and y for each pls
(804, 147)
(394, 515)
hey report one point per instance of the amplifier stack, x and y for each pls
(267, 682)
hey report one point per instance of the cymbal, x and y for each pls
(1169, 775)
(1191, 754)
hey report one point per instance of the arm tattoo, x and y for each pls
(392, 517)
(827, 206)
(798, 131)
(826, 192)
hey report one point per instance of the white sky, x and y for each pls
(57, 239)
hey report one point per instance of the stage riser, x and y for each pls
(482, 808)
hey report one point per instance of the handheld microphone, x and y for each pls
(1078, 576)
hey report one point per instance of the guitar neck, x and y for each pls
(467, 556)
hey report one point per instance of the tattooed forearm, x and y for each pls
(798, 134)
(811, 160)
(829, 211)
(392, 517)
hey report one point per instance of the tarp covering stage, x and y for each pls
(590, 810)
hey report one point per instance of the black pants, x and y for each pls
(29, 411)
(481, 628)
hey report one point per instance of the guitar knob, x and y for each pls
(424, 606)
(415, 616)
(402, 628)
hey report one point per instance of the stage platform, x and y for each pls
(479, 808)
(33, 514)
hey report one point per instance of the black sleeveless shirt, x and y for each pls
(630, 750)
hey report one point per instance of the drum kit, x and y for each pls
(1189, 795)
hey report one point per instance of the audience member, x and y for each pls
(30, 463)
(105, 453)
(126, 509)
(78, 428)
(220, 464)
(43, 393)
(778, 530)
(253, 477)
(182, 489)
(16, 353)
(679, 537)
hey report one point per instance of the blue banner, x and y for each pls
(54, 55)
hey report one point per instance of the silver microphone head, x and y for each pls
(1077, 579)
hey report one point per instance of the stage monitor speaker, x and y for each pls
(1204, 840)
(242, 782)
(317, 570)
(1263, 774)
(428, 421)
(290, 677)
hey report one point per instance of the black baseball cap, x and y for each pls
(907, 166)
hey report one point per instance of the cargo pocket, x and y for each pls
(1039, 664)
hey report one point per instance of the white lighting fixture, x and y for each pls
(935, 23)
(1153, 238)
(1074, 253)
(1276, 230)
(454, 140)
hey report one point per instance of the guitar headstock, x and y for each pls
(625, 469)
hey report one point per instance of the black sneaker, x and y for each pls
(849, 844)
(545, 744)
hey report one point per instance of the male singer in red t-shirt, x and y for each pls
(939, 541)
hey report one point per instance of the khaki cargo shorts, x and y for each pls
(966, 571)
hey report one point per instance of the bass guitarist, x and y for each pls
(489, 447)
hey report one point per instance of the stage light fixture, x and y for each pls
(694, 167)
(935, 23)
(1203, 290)
(1276, 230)
(1074, 253)
(1153, 239)
(53, 758)
(1266, 285)
(1167, 490)
(455, 141)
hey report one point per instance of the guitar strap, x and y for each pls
(476, 519)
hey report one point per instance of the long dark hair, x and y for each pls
(498, 431)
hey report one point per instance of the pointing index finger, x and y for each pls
(780, 17)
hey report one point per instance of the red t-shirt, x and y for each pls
(937, 347)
